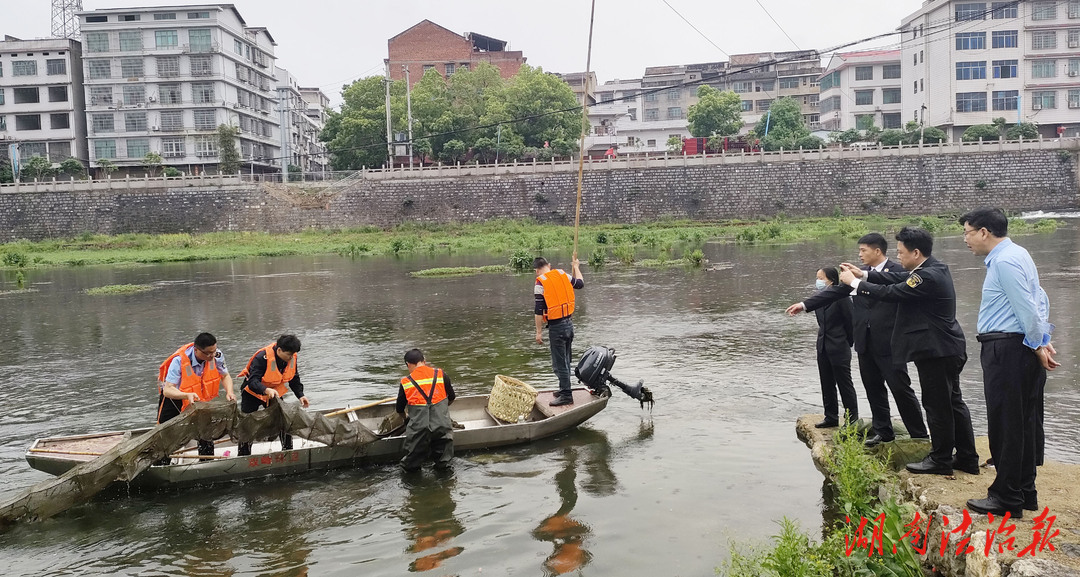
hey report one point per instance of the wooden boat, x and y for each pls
(56, 455)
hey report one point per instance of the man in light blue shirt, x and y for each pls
(1016, 353)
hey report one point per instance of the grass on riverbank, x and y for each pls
(493, 237)
(460, 271)
(119, 289)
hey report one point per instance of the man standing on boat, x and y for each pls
(264, 381)
(554, 303)
(188, 376)
(428, 394)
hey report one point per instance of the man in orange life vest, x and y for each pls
(428, 394)
(554, 303)
(188, 376)
(264, 381)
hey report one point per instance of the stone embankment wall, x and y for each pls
(892, 185)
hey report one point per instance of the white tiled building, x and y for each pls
(300, 124)
(966, 63)
(317, 103)
(163, 79)
(41, 102)
(862, 89)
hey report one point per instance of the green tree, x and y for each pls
(6, 174)
(453, 151)
(716, 113)
(228, 155)
(785, 121)
(356, 136)
(846, 137)
(544, 108)
(152, 163)
(930, 135)
(979, 132)
(37, 167)
(73, 167)
(171, 172)
(675, 144)
(865, 122)
(295, 173)
(891, 137)
(1025, 130)
(106, 166)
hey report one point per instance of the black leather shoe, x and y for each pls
(969, 468)
(992, 505)
(560, 401)
(827, 424)
(929, 466)
(876, 440)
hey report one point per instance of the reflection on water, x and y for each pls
(428, 517)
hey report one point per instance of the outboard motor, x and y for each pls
(594, 370)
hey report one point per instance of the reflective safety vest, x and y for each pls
(424, 386)
(205, 385)
(558, 294)
(272, 378)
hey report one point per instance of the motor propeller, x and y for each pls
(594, 370)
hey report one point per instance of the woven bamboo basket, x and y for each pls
(510, 399)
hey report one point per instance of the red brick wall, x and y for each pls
(430, 44)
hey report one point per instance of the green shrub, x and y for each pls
(624, 253)
(17, 259)
(601, 237)
(521, 260)
(695, 257)
(598, 258)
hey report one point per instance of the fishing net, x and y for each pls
(510, 399)
(212, 420)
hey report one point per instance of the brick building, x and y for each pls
(428, 46)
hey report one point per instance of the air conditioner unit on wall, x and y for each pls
(1036, 106)
(1074, 73)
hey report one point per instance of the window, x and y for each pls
(763, 105)
(1074, 98)
(830, 104)
(920, 56)
(59, 151)
(99, 69)
(864, 121)
(428, 67)
(205, 119)
(973, 11)
(131, 40)
(101, 95)
(27, 122)
(1, 69)
(813, 98)
(172, 147)
(789, 83)
(1074, 8)
(202, 93)
(169, 93)
(449, 69)
(747, 105)
(29, 95)
(1005, 99)
(94, 19)
(3, 121)
(199, 39)
(1074, 38)
(130, 18)
(59, 120)
(31, 149)
(891, 120)
(1003, 10)
(58, 94)
(56, 67)
(138, 147)
(104, 149)
(864, 97)
(1005, 68)
(830, 80)
(766, 85)
(238, 47)
(890, 71)
(96, 41)
(165, 16)
(971, 41)
(1043, 68)
(651, 142)
(1005, 39)
(168, 66)
(172, 120)
(1074, 67)
(740, 87)
(652, 114)
(864, 73)
(890, 96)
(1043, 99)
(135, 121)
(134, 95)
(971, 102)
(166, 39)
(205, 146)
(24, 67)
(674, 113)
(971, 70)
(1, 96)
(1044, 11)
(914, 59)
(1044, 40)
(201, 65)
(674, 94)
(921, 85)
(916, 87)
(198, 15)
(131, 67)
(102, 122)
(632, 112)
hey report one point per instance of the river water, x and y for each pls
(629, 492)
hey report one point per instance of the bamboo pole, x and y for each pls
(367, 406)
(585, 123)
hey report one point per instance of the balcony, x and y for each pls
(200, 48)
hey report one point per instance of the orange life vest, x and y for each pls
(558, 294)
(205, 385)
(424, 383)
(272, 377)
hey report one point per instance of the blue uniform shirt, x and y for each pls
(173, 376)
(1012, 300)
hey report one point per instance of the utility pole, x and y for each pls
(498, 144)
(389, 135)
(408, 106)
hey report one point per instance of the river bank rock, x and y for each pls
(939, 497)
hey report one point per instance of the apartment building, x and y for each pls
(862, 89)
(163, 79)
(427, 46)
(300, 145)
(41, 102)
(316, 103)
(966, 63)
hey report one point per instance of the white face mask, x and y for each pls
(820, 284)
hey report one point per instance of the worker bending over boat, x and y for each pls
(428, 394)
(264, 381)
(188, 376)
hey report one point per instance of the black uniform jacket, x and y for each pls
(834, 335)
(926, 326)
(868, 316)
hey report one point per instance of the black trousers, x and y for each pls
(561, 336)
(946, 413)
(877, 371)
(836, 374)
(249, 404)
(169, 408)
(1013, 381)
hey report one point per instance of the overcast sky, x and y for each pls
(327, 43)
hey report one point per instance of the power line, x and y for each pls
(778, 25)
(696, 29)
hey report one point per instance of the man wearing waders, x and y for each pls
(428, 394)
